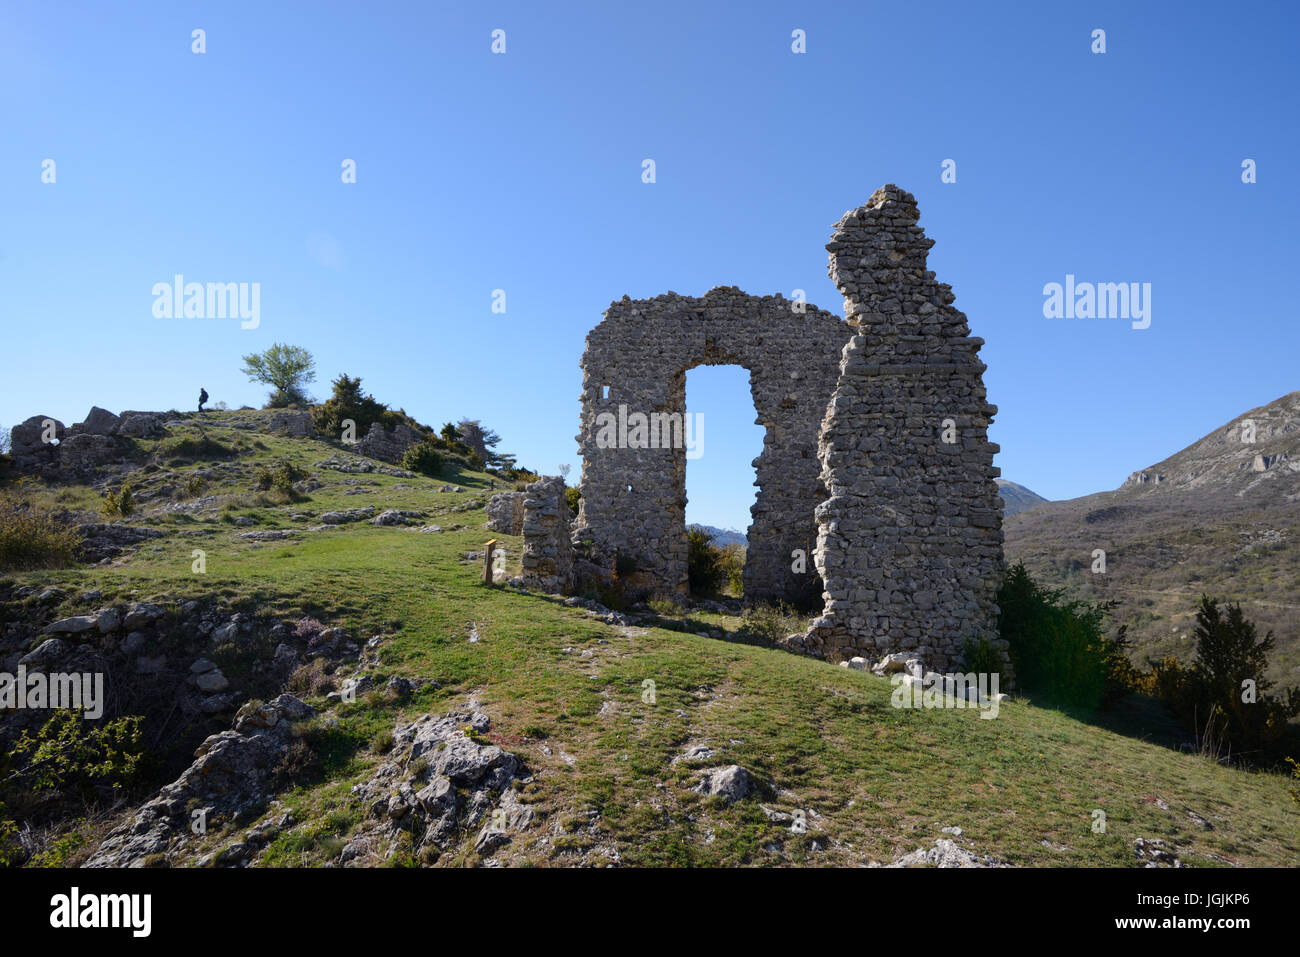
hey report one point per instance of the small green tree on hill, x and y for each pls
(287, 369)
(1227, 682)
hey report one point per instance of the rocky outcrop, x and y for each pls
(34, 442)
(143, 425)
(505, 512)
(731, 783)
(946, 853)
(101, 540)
(233, 776)
(85, 451)
(441, 778)
(98, 422)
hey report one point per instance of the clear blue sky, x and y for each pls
(523, 172)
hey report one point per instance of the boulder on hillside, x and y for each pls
(99, 422)
(27, 441)
(142, 425)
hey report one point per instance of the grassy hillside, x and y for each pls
(565, 692)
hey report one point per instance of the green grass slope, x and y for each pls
(567, 693)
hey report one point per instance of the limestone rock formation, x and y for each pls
(438, 781)
(233, 772)
(27, 442)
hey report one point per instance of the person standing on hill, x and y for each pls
(203, 397)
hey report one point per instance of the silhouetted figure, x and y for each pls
(203, 397)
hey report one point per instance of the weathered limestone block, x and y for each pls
(505, 513)
(548, 548)
(142, 425)
(99, 422)
(633, 509)
(909, 541)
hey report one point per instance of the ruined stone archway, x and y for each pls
(877, 441)
(634, 497)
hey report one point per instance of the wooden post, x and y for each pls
(487, 562)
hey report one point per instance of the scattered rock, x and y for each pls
(394, 516)
(350, 515)
(946, 853)
(731, 783)
(72, 626)
(47, 653)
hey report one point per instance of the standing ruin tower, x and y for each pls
(909, 542)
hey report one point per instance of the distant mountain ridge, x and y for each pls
(1217, 517)
(722, 536)
(1016, 498)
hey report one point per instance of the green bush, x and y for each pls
(118, 504)
(1210, 696)
(981, 657)
(281, 477)
(191, 447)
(1058, 647)
(574, 497)
(770, 622)
(348, 401)
(32, 538)
(731, 561)
(704, 569)
(71, 753)
(423, 459)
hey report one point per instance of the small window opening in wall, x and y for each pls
(604, 392)
(629, 488)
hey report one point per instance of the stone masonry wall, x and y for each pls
(387, 446)
(910, 540)
(548, 549)
(505, 512)
(634, 499)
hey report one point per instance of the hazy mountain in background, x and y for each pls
(1218, 517)
(1016, 498)
(722, 536)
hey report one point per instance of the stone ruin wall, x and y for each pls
(876, 460)
(505, 512)
(634, 499)
(910, 539)
(548, 557)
